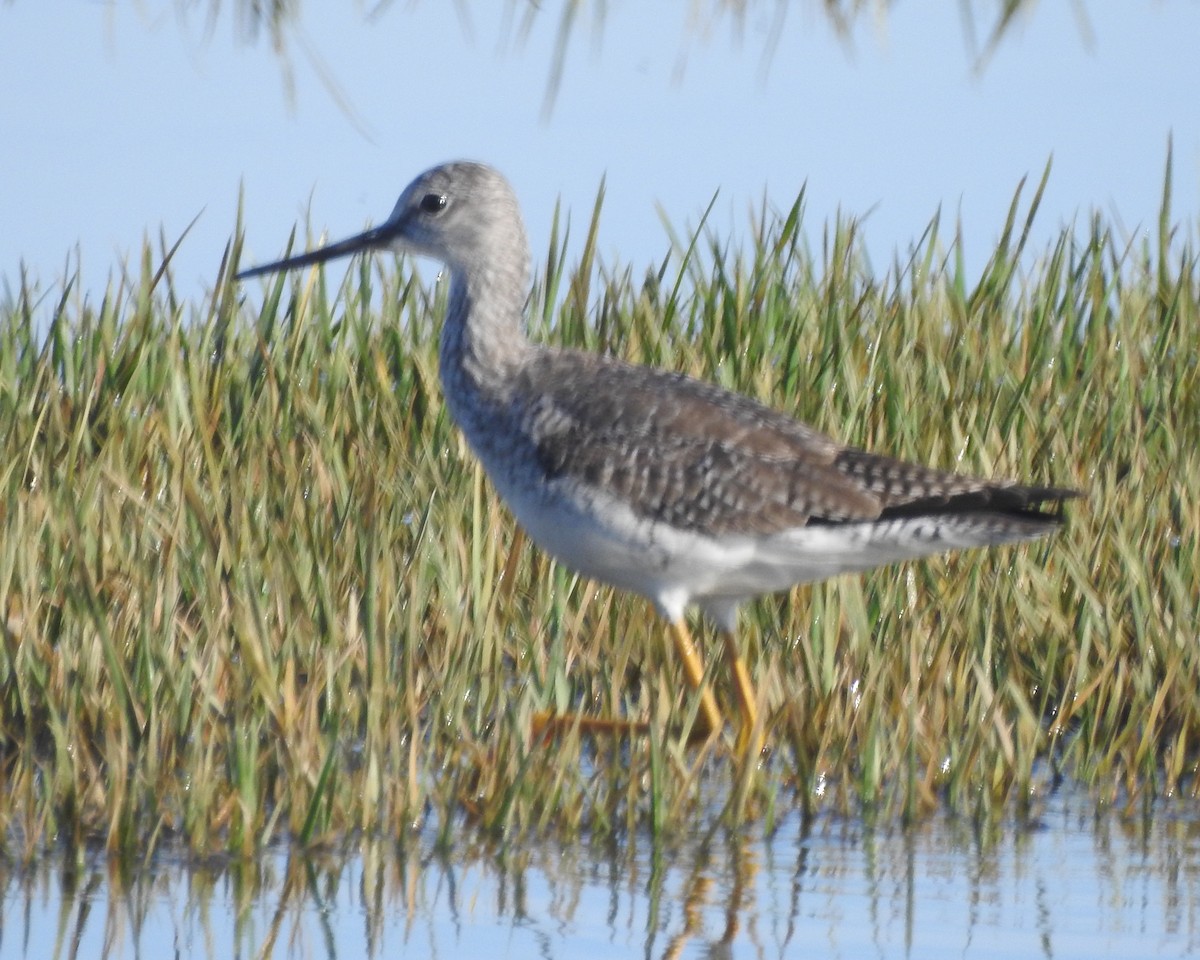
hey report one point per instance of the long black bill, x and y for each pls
(371, 239)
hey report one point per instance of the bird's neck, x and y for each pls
(483, 343)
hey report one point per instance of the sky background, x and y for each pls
(123, 119)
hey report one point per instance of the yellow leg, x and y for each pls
(709, 721)
(749, 740)
(546, 725)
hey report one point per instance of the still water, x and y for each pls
(1070, 883)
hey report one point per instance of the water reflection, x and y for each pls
(1071, 885)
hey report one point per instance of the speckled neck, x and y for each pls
(483, 343)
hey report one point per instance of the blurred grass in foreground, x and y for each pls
(251, 572)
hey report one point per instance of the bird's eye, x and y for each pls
(433, 202)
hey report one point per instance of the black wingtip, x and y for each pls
(1021, 503)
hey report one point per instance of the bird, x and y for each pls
(651, 481)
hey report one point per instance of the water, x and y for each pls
(1072, 884)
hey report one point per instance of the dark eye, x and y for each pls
(433, 202)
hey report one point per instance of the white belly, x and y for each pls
(601, 538)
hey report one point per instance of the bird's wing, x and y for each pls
(697, 456)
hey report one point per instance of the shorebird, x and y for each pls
(656, 483)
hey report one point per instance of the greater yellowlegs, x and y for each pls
(650, 481)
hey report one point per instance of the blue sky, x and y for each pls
(124, 119)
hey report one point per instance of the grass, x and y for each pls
(251, 573)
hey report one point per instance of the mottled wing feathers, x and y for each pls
(908, 489)
(696, 456)
(684, 452)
